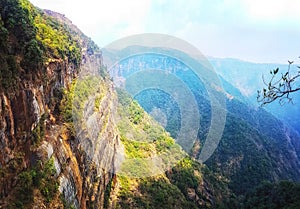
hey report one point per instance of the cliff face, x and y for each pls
(96, 142)
(59, 139)
(255, 146)
(32, 130)
(65, 131)
(21, 112)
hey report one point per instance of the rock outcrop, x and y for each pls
(32, 130)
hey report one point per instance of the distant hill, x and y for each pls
(65, 130)
(247, 77)
(255, 146)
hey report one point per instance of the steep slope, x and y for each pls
(62, 138)
(255, 145)
(31, 77)
(69, 140)
(185, 182)
(41, 54)
(251, 81)
(280, 195)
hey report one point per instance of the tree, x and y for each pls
(279, 87)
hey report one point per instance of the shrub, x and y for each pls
(42, 178)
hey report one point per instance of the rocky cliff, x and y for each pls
(64, 131)
(69, 139)
(34, 135)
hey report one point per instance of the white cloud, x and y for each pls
(257, 30)
(102, 18)
(273, 10)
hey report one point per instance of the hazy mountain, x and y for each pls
(247, 77)
(63, 135)
(69, 139)
(255, 146)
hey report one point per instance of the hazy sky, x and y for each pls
(253, 30)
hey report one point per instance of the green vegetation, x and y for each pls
(246, 165)
(46, 181)
(171, 190)
(66, 104)
(183, 175)
(143, 139)
(25, 190)
(254, 146)
(9, 72)
(75, 97)
(65, 204)
(211, 188)
(33, 37)
(136, 149)
(283, 195)
(30, 39)
(58, 42)
(98, 102)
(163, 194)
(3, 35)
(41, 178)
(32, 56)
(38, 132)
(18, 20)
(132, 109)
(103, 72)
(136, 112)
(151, 193)
(156, 99)
(107, 193)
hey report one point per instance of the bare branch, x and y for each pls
(279, 89)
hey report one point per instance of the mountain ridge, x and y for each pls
(46, 162)
(246, 116)
(62, 142)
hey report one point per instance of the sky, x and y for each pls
(264, 31)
